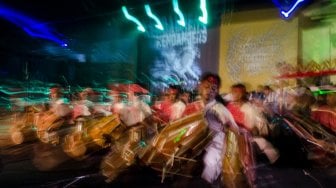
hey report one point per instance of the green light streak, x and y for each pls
(179, 13)
(324, 92)
(179, 136)
(133, 19)
(142, 144)
(204, 17)
(46, 92)
(156, 19)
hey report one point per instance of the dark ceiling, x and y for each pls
(60, 10)
(70, 18)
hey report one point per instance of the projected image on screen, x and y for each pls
(177, 56)
(177, 66)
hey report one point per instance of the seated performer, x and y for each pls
(179, 105)
(163, 107)
(47, 122)
(135, 111)
(83, 107)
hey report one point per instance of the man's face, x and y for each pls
(185, 97)
(237, 94)
(208, 91)
(83, 95)
(55, 94)
(172, 94)
(267, 91)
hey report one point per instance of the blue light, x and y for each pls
(177, 10)
(287, 13)
(133, 19)
(151, 15)
(29, 25)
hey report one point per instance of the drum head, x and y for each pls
(17, 137)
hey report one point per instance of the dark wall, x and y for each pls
(24, 68)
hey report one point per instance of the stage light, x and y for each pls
(32, 27)
(151, 15)
(133, 19)
(204, 17)
(287, 13)
(179, 13)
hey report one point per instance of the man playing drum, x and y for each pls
(219, 119)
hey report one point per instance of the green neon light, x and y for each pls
(156, 19)
(204, 17)
(133, 19)
(179, 13)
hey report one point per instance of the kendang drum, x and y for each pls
(124, 151)
(94, 133)
(177, 145)
(47, 123)
(319, 142)
(238, 164)
(100, 127)
(22, 128)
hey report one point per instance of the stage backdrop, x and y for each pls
(253, 44)
(177, 56)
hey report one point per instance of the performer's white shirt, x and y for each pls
(59, 107)
(135, 112)
(177, 110)
(82, 108)
(218, 118)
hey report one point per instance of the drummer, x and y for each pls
(219, 120)
(83, 107)
(180, 100)
(58, 104)
(135, 111)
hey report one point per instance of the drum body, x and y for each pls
(177, 144)
(92, 134)
(238, 165)
(22, 128)
(124, 151)
(97, 128)
(47, 123)
(318, 141)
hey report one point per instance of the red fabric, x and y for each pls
(128, 88)
(162, 110)
(308, 74)
(193, 108)
(325, 116)
(237, 114)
